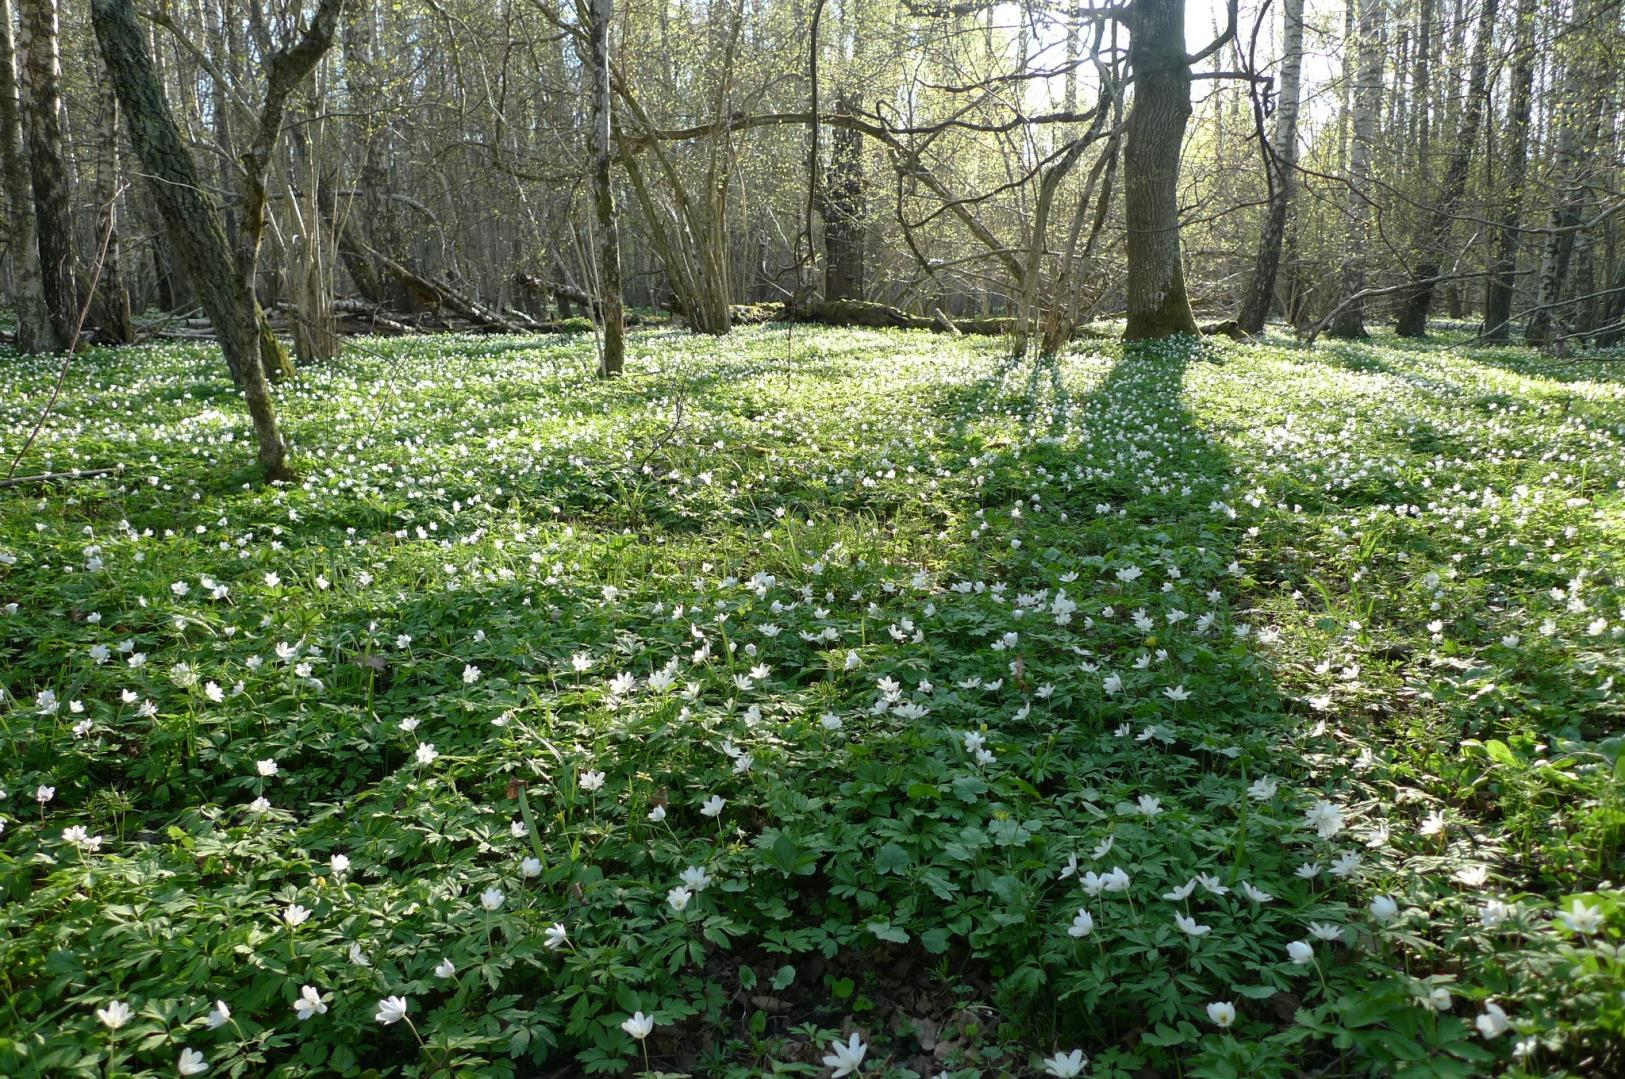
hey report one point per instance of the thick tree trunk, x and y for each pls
(34, 330)
(1283, 174)
(843, 211)
(48, 165)
(611, 317)
(1413, 315)
(193, 219)
(1498, 293)
(1366, 105)
(1152, 140)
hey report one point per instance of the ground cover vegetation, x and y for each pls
(851, 701)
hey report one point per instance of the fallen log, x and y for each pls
(882, 316)
(542, 286)
(447, 296)
(1228, 328)
(49, 477)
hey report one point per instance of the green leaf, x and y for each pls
(892, 858)
(886, 931)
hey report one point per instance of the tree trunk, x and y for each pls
(193, 219)
(612, 319)
(1413, 315)
(111, 299)
(1367, 103)
(1152, 140)
(1613, 318)
(286, 69)
(34, 330)
(351, 248)
(1498, 293)
(375, 227)
(48, 165)
(1577, 110)
(310, 254)
(1283, 161)
(1420, 135)
(843, 211)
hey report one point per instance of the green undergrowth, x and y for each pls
(1212, 710)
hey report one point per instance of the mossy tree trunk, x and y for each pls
(196, 232)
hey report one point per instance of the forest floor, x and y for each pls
(1215, 710)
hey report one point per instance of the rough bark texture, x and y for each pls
(1366, 105)
(611, 317)
(1413, 315)
(1152, 139)
(48, 166)
(1498, 293)
(193, 220)
(34, 331)
(1283, 163)
(843, 211)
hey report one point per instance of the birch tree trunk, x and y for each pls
(34, 330)
(1366, 104)
(1152, 140)
(1283, 173)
